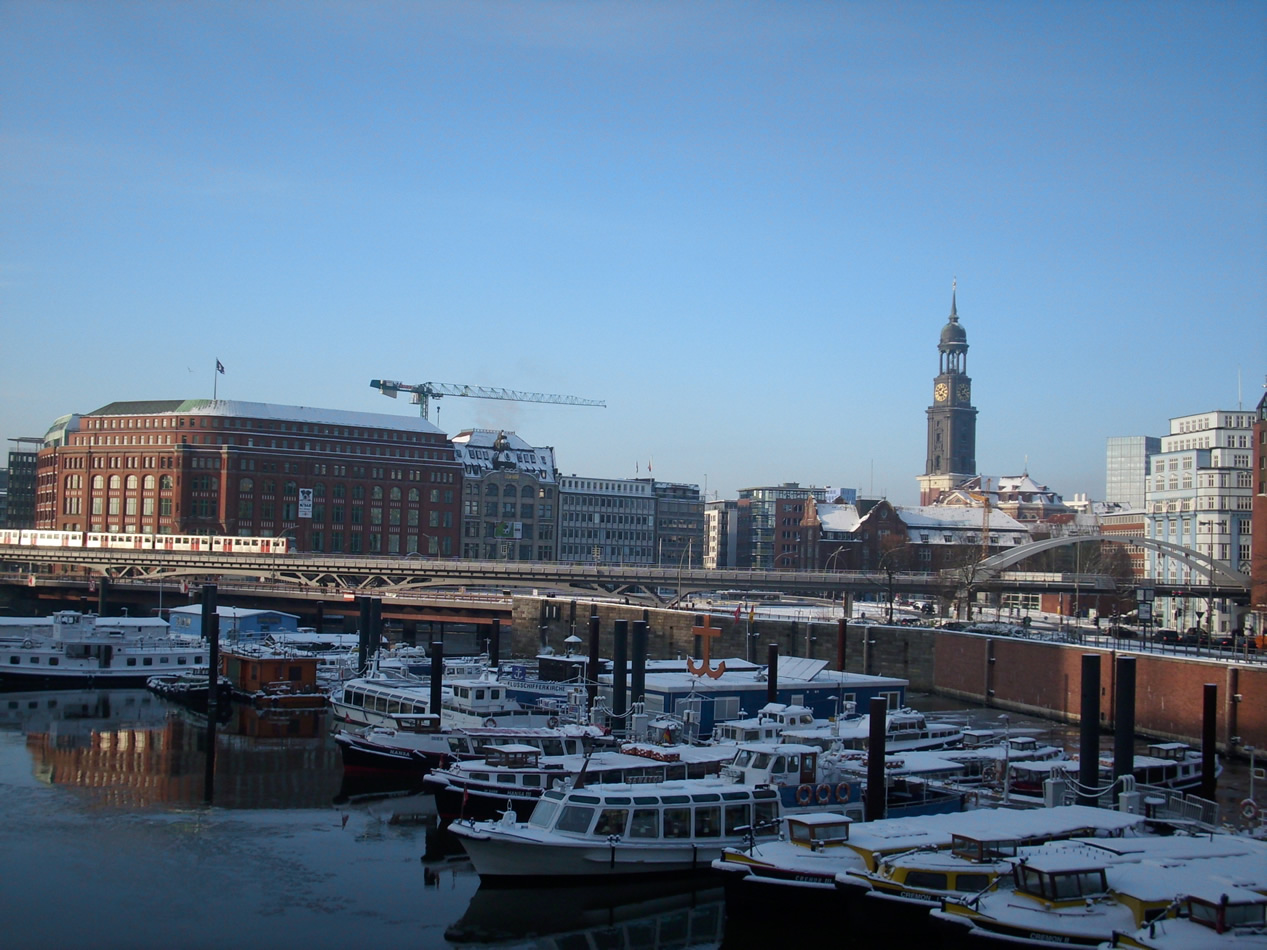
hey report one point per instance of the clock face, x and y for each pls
(964, 392)
(940, 392)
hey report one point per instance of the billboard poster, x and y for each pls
(305, 502)
(509, 529)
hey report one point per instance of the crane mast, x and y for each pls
(421, 394)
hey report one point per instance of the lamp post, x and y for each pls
(1209, 601)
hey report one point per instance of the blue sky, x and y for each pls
(735, 223)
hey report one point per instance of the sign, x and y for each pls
(1145, 595)
(509, 529)
(305, 502)
(1145, 611)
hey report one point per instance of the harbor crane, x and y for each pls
(423, 393)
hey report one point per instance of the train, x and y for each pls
(218, 543)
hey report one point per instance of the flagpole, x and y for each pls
(215, 379)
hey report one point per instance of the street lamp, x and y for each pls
(1209, 601)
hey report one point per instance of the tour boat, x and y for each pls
(905, 730)
(74, 649)
(516, 776)
(621, 830)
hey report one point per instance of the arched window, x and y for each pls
(164, 482)
(132, 482)
(319, 490)
(509, 491)
(395, 493)
(98, 482)
(528, 492)
(358, 492)
(413, 495)
(376, 493)
(148, 483)
(245, 486)
(114, 481)
(491, 489)
(290, 489)
(339, 491)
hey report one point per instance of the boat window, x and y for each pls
(761, 760)
(506, 779)
(737, 816)
(147, 661)
(181, 661)
(677, 799)
(543, 813)
(766, 814)
(677, 822)
(552, 747)
(708, 821)
(131, 661)
(972, 882)
(532, 780)
(743, 757)
(611, 821)
(53, 661)
(15, 659)
(35, 659)
(645, 800)
(479, 694)
(932, 880)
(710, 797)
(586, 799)
(575, 818)
(1078, 884)
(734, 796)
(645, 824)
(164, 659)
(197, 659)
(481, 777)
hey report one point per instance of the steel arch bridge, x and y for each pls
(1213, 571)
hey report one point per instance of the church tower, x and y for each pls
(952, 421)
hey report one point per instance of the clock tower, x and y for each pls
(952, 421)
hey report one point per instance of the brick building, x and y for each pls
(336, 481)
(509, 508)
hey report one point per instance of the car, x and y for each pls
(1168, 636)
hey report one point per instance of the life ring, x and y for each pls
(842, 792)
(552, 721)
(803, 794)
(970, 800)
(1249, 809)
(823, 794)
(490, 721)
(668, 736)
(988, 774)
(27, 644)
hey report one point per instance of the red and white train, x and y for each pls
(219, 543)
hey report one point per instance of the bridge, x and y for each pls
(308, 574)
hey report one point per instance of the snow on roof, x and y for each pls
(263, 410)
(839, 517)
(945, 517)
(230, 612)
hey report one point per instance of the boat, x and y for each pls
(70, 649)
(862, 846)
(621, 830)
(516, 776)
(905, 730)
(1172, 766)
(419, 742)
(272, 678)
(1083, 891)
(1212, 912)
(985, 844)
(191, 689)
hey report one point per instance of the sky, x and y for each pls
(735, 223)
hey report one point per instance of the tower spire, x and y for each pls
(954, 314)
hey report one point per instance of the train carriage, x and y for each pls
(137, 542)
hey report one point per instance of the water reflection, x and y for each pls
(130, 749)
(645, 914)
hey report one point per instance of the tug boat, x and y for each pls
(1215, 912)
(621, 831)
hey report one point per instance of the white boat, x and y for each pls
(516, 776)
(621, 830)
(1082, 892)
(905, 730)
(74, 649)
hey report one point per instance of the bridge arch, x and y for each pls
(1203, 564)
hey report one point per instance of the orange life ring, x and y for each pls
(804, 794)
(1249, 809)
(842, 792)
(490, 722)
(823, 794)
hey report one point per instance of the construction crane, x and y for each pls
(423, 393)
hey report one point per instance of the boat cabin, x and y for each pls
(1225, 908)
(818, 830)
(1060, 878)
(670, 811)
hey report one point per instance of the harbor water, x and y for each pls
(108, 842)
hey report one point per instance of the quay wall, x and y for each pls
(1029, 676)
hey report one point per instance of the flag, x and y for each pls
(648, 466)
(219, 367)
(737, 613)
